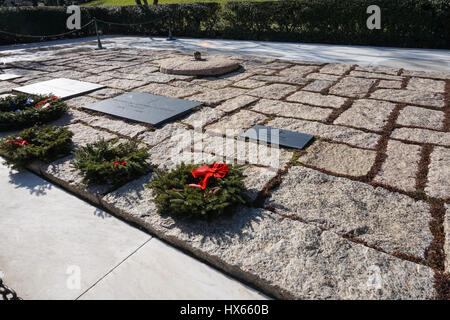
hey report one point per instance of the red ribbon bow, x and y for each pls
(18, 142)
(41, 102)
(217, 170)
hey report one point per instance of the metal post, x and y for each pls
(170, 33)
(99, 43)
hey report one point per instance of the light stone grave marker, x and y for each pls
(144, 107)
(61, 87)
(8, 76)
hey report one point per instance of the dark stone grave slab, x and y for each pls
(287, 138)
(144, 107)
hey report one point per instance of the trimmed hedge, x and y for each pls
(414, 23)
(404, 23)
(190, 20)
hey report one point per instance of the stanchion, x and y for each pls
(99, 43)
(170, 35)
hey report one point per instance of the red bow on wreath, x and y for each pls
(217, 170)
(47, 104)
(18, 142)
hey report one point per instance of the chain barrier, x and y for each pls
(46, 36)
(6, 293)
(132, 24)
(95, 20)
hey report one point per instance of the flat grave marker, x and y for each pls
(61, 87)
(8, 76)
(287, 138)
(144, 107)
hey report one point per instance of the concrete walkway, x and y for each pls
(56, 246)
(412, 59)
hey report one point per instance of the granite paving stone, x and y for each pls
(338, 69)
(371, 75)
(322, 76)
(236, 123)
(400, 167)
(318, 85)
(256, 178)
(213, 83)
(288, 258)
(236, 103)
(81, 101)
(367, 114)
(273, 91)
(203, 117)
(83, 134)
(317, 99)
(389, 84)
(378, 69)
(422, 136)
(124, 84)
(420, 117)
(438, 184)
(106, 93)
(249, 84)
(352, 87)
(286, 79)
(71, 116)
(167, 90)
(295, 110)
(380, 217)
(216, 96)
(430, 85)
(339, 158)
(62, 173)
(422, 98)
(160, 134)
(298, 70)
(116, 126)
(351, 136)
(427, 74)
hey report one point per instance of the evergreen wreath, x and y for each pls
(24, 110)
(178, 192)
(36, 143)
(111, 162)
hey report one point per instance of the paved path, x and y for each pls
(49, 237)
(413, 59)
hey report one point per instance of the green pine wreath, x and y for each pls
(24, 110)
(111, 162)
(173, 195)
(36, 143)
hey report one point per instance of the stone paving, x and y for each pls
(359, 214)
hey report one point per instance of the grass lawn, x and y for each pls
(133, 2)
